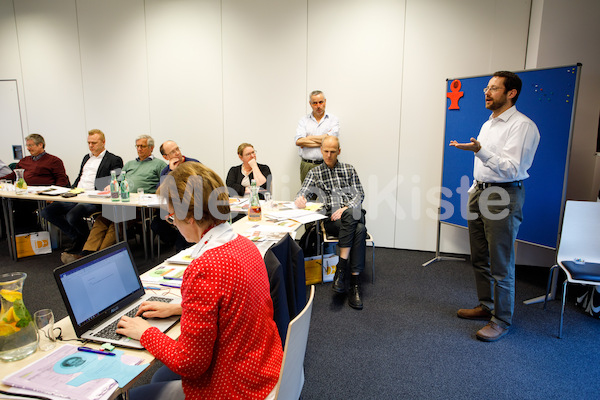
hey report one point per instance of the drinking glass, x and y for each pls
(44, 322)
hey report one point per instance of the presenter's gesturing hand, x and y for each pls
(473, 146)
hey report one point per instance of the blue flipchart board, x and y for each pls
(548, 98)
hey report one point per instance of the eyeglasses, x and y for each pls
(141, 146)
(491, 89)
(175, 150)
(252, 153)
(170, 218)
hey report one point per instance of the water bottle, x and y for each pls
(254, 211)
(114, 186)
(124, 188)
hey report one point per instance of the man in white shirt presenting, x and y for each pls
(311, 131)
(504, 151)
(94, 174)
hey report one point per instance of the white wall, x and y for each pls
(211, 74)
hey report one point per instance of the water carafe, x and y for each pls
(20, 184)
(18, 336)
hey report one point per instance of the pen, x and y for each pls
(151, 288)
(166, 272)
(173, 286)
(171, 278)
(88, 350)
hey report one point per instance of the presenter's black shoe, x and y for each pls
(354, 299)
(339, 286)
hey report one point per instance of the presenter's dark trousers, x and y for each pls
(69, 218)
(492, 234)
(352, 232)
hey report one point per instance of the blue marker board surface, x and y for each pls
(548, 98)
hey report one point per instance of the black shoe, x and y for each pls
(339, 286)
(354, 299)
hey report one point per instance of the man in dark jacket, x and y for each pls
(94, 174)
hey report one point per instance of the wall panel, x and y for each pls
(264, 84)
(185, 77)
(115, 72)
(355, 57)
(51, 68)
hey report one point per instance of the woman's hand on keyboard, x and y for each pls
(158, 309)
(132, 327)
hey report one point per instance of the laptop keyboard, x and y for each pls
(109, 331)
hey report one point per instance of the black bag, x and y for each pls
(308, 241)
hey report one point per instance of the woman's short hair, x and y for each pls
(241, 148)
(198, 192)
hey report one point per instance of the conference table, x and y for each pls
(116, 211)
(242, 227)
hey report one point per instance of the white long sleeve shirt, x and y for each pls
(508, 145)
(308, 126)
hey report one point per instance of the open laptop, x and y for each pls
(102, 287)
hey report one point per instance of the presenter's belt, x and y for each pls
(313, 161)
(485, 185)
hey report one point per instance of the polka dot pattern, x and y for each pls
(229, 346)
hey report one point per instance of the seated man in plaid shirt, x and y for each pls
(337, 186)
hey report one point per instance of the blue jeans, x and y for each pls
(165, 385)
(492, 242)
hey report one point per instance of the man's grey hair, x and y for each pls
(37, 139)
(148, 137)
(315, 93)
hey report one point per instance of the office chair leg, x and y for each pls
(562, 310)
(549, 283)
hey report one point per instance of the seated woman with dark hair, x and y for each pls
(229, 347)
(240, 177)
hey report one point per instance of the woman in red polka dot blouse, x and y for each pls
(229, 346)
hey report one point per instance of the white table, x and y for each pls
(117, 209)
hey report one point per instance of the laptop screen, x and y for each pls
(94, 286)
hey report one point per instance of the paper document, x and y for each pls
(164, 274)
(98, 193)
(41, 377)
(184, 257)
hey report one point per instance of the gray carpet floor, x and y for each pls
(407, 342)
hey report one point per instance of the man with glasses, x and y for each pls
(167, 233)
(143, 172)
(311, 131)
(41, 169)
(171, 152)
(94, 174)
(504, 151)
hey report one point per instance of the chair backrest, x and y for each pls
(291, 377)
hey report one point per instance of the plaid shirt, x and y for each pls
(335, 187)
